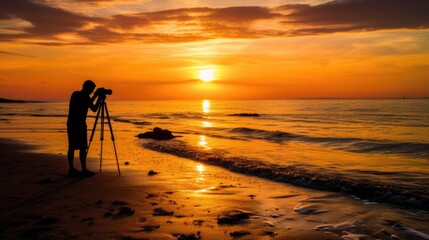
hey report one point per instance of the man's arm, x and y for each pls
(93, 107)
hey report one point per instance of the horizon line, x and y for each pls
(5, 100)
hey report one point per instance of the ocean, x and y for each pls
(375, 149)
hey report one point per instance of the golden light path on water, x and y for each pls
(200, 179)
(206, 124)
(203, 142)
(206, 106)
(202, 139)
(200, 169)
(206, 109)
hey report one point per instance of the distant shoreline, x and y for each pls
(5, 100)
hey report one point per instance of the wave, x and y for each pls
(364, 110)
(9, 114)
(34, 115)
(274, 136)
(48, 115)
(214, 132)
(385, 119)
(135, 122)
(156, 116)
(180, 115)
(188, 115)
(372, 146)
(244, 115)
(349, 144)
(371, 190)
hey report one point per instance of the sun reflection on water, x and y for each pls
(200, 176)
(205, 190)
(203, 142)
(200, 168)
(206, 124)
(206, 106)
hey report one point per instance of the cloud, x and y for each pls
(127, 21)
(13, 37)
(241, 14)
(48, 23)
(101, 34)
(91, 1)
(230, 15)
(15, 54)
(359, 15)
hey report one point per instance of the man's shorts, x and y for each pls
(77, 138)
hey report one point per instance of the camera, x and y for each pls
(103, 91)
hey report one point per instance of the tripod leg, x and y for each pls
(113, 139)
(103, 105)
(93, 131)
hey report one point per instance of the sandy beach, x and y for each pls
(40, 202)
(185, 200)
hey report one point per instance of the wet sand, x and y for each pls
(185, 200)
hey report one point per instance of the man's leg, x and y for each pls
(82, 155)
(70, 153)
(72, 170)
(70, 156)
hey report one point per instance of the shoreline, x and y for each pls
(368, 190)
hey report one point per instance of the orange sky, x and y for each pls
(256, 49)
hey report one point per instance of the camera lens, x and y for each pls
(104, 91)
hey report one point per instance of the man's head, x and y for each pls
(88, 86)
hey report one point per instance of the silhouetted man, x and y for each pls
(80, 101)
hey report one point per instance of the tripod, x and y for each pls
(103, 109)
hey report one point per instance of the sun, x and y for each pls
(207, 75)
